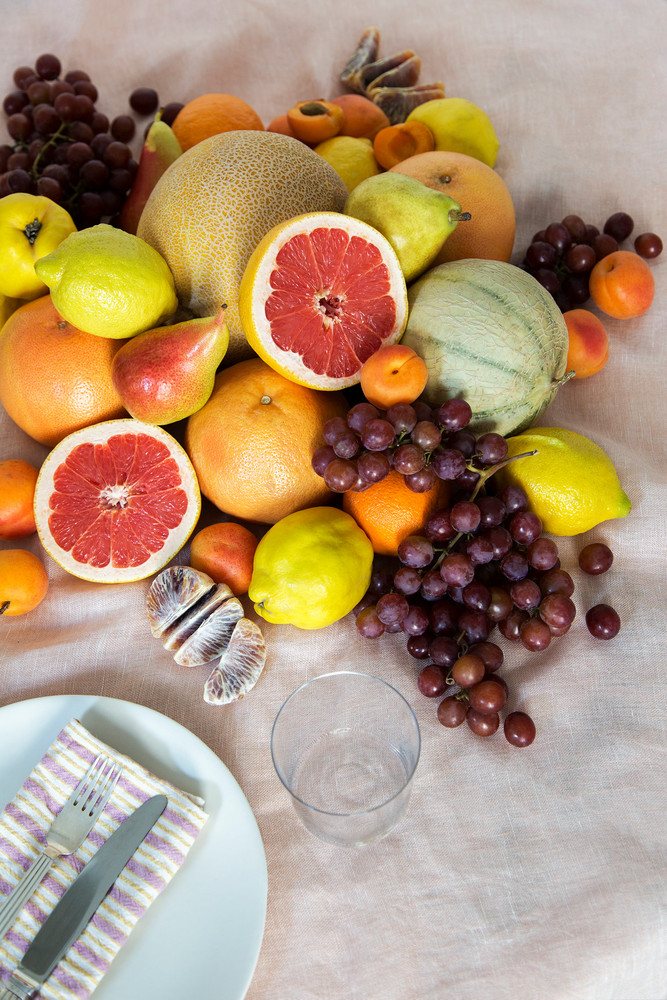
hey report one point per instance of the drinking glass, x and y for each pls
(345, 746)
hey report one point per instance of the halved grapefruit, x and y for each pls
(116, 501)
(320, 294)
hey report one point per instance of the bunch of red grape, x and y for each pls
(420, 443)
(63, 147)
(562, 256)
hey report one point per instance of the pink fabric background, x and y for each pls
(539, 873)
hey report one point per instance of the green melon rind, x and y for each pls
(490, 333)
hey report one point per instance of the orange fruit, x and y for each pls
(116, 501)
(23, 581)
(225, 552)
(489, 233)
(208, 212)
(54, 378)
(252, 443)
(388, 511)
(210, 114)
(320, 294)
(17, 491)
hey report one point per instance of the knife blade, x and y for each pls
(75, 908)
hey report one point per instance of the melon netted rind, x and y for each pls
(491, 334)
(214, 204)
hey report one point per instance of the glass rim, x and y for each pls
(350, 673)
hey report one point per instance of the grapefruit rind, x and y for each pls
(256, 289)
(45, 490)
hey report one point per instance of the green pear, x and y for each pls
(415, 219)
(166, 374)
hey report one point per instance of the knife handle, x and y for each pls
(6, 994)
(13, 904)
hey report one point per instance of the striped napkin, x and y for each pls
(23, 825)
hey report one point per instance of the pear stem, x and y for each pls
(456, 216)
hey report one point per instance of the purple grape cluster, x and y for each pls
(63, 148)
(421, 443)
(562, 255)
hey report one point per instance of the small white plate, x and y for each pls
(201, 937)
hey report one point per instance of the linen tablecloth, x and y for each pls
(537, 873)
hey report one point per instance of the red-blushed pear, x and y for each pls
(161, 148)
(168, 372)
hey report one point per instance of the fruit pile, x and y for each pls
(327, 308)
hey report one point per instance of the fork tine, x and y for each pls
(90, 775)
(103, 794)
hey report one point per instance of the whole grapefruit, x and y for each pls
(252, 443)
(480, 190)
(211, 208)
(54, 378)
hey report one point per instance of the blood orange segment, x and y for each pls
(116, 501)
(320, 294)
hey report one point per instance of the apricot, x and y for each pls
(396, 143)
(17, 491)
(622, 285)
(363, 119)
(315, 121)
(588, 346)
(280, 124)
(23, 581)
(394, 374)
(226, 552)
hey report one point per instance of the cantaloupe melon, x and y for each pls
(491, 334)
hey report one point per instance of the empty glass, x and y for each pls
(345, 746)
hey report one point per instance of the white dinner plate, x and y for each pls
(201, 937)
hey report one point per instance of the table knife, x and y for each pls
(73, 911)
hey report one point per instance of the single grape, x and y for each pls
(416, 551)
(47, 187)
(603, 621)
(465, 516)
(548, 279)
(123, 128)
(482, 725)
(66, 106)
(85, 108)
(557, 611)
(591, 233)
(382, 578)
(144, 100)
(439, 528)
(448, 463)
(407, 580)
(575, 287)
(492, 511)
(489, 653)
(542, 554)
(408, 459)
(477, 596)
(619, 226)
(19, 126)
(524, 527)
(500, 539)
(519, 729)
(457, 570)
(558, 236)
(46, 119)
(402, 417)
(444, 651)
(418, 645)
(170, 111)
(454, 414)
(368, 623)
(604, 244)
(94, 174)
(19, 181)
(346, 444)
(359, 415)
(73, 75)
(423, 410)
(491, 448)
(15, 102)
(464, 441)
(525, 594)
(479, 550)
(431, 681)
(443, 616)
(535, 635)
(510, 626)
(422, 481)
(19, 161)
(61, 87)
(575, 226)
(24, 76)
(514, 498)
(487, 697)
(426, 434)
(117, 154)
(557, 581)
(451, 712)
(540, 253)
(333, 428)
(373, 466)
(468, 670)
(39, 92)
(474, 624)
(48, 66)
(90, 208)
(648, 245)
(340, 475)
(580, 258)
(433, 586)
(416, 621)
(392, 608)
(321, 458)
(514, 566)
(377, 434)
(595, 558)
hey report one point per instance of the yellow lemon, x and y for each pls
(459, 126)
(109, 283)
(311, 568)
(571, 483)
(30, 228)
(353, 159)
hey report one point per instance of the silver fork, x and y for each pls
(67, 832)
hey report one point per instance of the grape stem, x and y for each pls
(53, 139)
